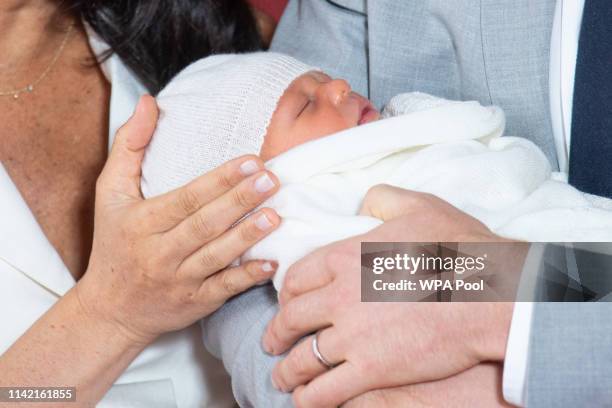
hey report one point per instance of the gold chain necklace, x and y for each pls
(30, 87)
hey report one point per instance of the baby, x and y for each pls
(269, 104)
(225, 106)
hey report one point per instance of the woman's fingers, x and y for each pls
(220, 252)
(301, 365)
(212, 220)
(173, 207)
(295, 319)
(232, 281)
(332, 388)
(121, 174)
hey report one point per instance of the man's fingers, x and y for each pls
(301, 365)
(215, 218)
(317, 269)
(387, 202)
(233, 281)
(219, 253)
(332, 388)
(121, 174)
(176, 205)
(298, 317)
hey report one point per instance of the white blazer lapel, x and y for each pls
(24, 246)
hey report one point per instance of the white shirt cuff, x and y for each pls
(517, 349)
(517, 355)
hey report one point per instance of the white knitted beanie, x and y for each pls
(216, 109)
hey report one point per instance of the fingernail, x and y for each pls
(268, 267)
(264, 184)
(249, 167)
(263, 223)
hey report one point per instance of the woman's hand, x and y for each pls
(380, 345)
(159, 265)
(478, 387)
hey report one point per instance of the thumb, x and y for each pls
(387, 202)
(121, 174)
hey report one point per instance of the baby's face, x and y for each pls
(314, 106)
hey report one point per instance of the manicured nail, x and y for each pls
(249, 167)
(268, 267)
(263, 223)
(264, 184)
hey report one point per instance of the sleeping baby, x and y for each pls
(328, 147)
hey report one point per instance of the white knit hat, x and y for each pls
(216, 109)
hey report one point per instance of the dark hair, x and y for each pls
(158, 38)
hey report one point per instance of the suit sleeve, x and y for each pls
(233, 334)
(570, 353)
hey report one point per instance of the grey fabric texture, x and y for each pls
(492, 51)
(233, 334)
(570, 357)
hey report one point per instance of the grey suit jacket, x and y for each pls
(493, 51)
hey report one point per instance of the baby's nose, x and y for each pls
(337, 90)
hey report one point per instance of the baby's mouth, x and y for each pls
(368, 114)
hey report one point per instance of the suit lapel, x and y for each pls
(516, 37)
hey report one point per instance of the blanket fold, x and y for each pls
(451, 149)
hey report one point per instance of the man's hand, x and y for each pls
(380, 345)
(478, 387)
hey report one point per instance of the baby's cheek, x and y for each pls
(273, 145)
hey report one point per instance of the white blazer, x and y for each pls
(176, 370)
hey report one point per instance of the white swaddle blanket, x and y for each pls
(450, 149)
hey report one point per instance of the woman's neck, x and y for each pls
(29, 31)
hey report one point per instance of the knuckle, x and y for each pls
(228, 284)
(210, 260)
(249, 232)
(189, 298)
(253, 270)
(241, 198)
(203, 229)
(225, 180)
(187, 201)
(297, 366)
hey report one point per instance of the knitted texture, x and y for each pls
(216, 109)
